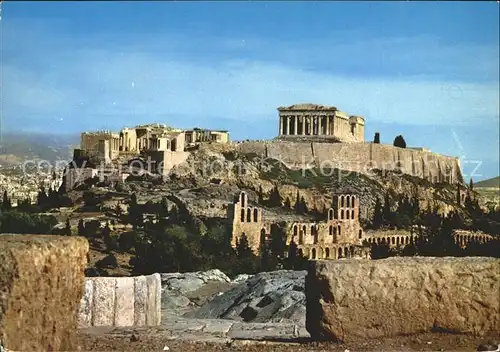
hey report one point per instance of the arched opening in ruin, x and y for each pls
(352, 252)
(242, 199)
(339, 230)
(341, 201)
(348, 201)
(330, 214)
(249, 215)
(295, 230)
(353, 203)
(301, 252)
(255, 215)
(327, 252)
(342, 214)
(304, 229)
(397, 241)
(393, 240)
(242, 215)
(340, 253)
(330, 230)
(352, 214)
(313, 253)
(360, 234)
(346, 252)
(347, 214)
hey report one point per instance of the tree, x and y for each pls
(260, 195)
(400, 142)
(6, 202)
(471, 185)
(386, 211)
(110, 242)
(67, 229)
(118, 210)
(287, 203)
(303, 206)
(274, 198)
(377, 215)
(81, 228)
(376, 139)
(42, 198)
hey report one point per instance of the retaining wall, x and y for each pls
(359, 157)
(121, 301)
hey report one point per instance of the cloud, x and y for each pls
(108, 84)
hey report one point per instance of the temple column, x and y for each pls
(320, 125)
(281, 125)
(328, 125)
(295, 125)
(303, 131)
(310, 125)
(289, 125)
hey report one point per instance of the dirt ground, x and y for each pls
(422, 342)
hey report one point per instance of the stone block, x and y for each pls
(103, 312)
(124, 301)
(140, 301)
(350, 299)
(41, 285)
(86, 305)
(153, 311)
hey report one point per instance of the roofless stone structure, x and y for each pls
(320, 122)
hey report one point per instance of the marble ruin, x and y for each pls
(310, 135)
(318, 121)
(339, 236)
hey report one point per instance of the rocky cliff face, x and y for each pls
(214, 174)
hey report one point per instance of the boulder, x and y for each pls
(350, 299)
(41, 284)
(266, 297)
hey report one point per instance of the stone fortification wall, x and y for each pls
(400, 296)
(41, 284)
(121, 301)
(360, 157)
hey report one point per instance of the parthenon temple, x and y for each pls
(325, 122)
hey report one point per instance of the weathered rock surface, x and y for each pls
(41, 284)
(266, 297)
(352, 299)
(184, 292)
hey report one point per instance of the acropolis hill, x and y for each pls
(309, 135)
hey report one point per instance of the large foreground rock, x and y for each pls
(351, 299)
(276, 296)
(185, 292)
(41, 284)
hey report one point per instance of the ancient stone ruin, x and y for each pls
(41, 281)
(401, 296)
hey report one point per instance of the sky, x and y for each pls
(426, 70)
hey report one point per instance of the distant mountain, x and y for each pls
(491, 182)
(15, 148)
